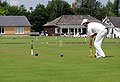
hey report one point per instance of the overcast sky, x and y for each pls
(33, 3)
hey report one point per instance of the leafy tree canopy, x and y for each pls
(56, 8)
(38, 17)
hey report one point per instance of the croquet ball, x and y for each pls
(36, 54)
(61, 55)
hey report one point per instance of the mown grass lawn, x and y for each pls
(17, 65)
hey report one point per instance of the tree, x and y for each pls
(109, 6)
(3, 3)
(12, 10)
(56, 8)
(109, 9)
(2, 11)
(17, 10)
(116, 7)
(38, 17)
(79, 3)
(89, 7)
(22, 10)
(86, 3)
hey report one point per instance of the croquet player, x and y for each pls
(98, 30)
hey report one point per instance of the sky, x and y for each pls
(33, 3)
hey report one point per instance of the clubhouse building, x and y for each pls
(68, 25)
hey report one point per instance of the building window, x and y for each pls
(58, 30)
(84, 30)
(19, 30)
(2, 30)
(65, 30)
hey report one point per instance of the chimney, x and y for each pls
(31, 9)
(73, 5)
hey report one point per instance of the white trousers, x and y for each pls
(98, 43)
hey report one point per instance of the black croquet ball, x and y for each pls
(36, 54)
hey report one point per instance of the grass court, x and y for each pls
(17, 64)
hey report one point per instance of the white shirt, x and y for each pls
(94, 27)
